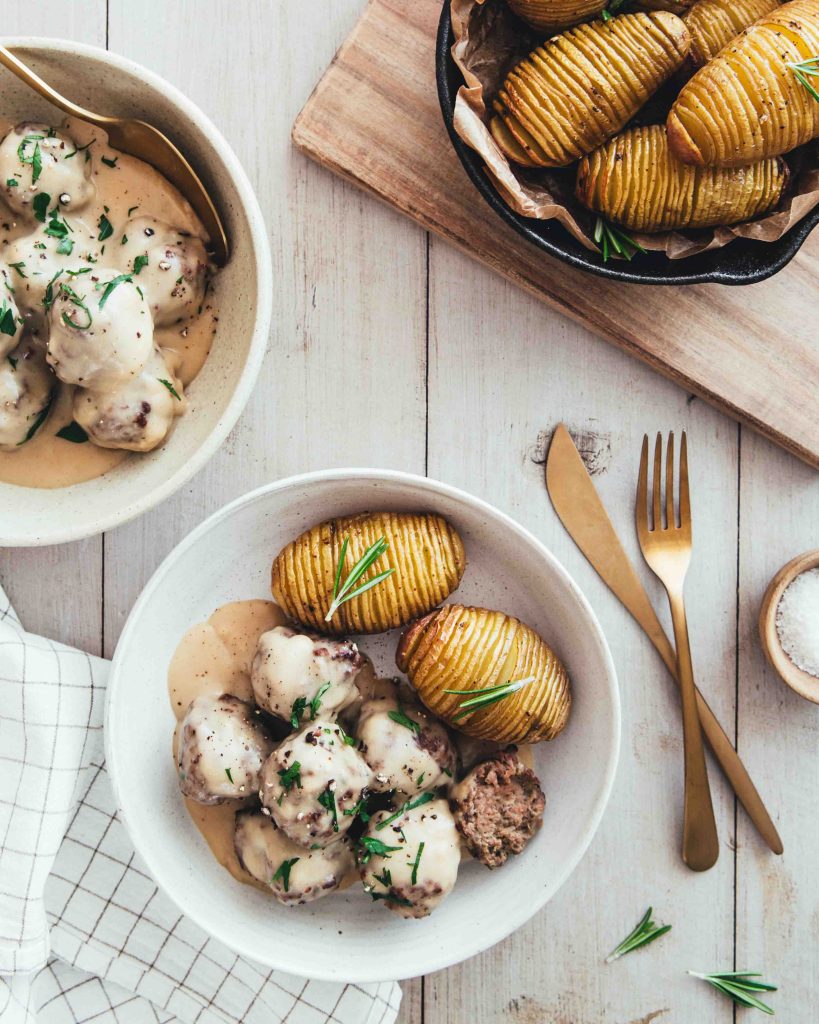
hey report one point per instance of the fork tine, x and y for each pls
(670, 518)
(685, 498)
(657, 482)
(642, 489)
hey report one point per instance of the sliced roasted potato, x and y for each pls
(458, 648)
(424, 550)
(581, 87)
(748, 102)
(553, 15)
(636, 181)
(714, 23)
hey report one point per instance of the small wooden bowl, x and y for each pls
(803, 683)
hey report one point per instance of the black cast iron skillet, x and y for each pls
(742, 261)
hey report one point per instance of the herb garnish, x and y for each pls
(344, 592)
(359, 810)
(298, 709)
(410, 805)
(482, 698)
(400, 901)
(19, 268)
(76, 435)
(291, 776)
(283, 873)
(34, 158)
(48, 295)
(416, 862)
(80, 149)
(8, 323)
(120, 279)
(315, 703)
(35, 426)
(140, 262)
(740, 986)
(803, 70)
(401, 717)
(132, 208)
(374, 848)
(614, 6)
(612, 240)
(385, 878)
(106, 228)
(40, 206)
(170, 388)
(349, 740)
(327, 799)
(112, 162)
(12, 182)
(229, 775)
(646, 931)
(79, 302)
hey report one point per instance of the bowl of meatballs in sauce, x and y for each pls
(125, 353)
(361, 725)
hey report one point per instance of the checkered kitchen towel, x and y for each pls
(84, 933)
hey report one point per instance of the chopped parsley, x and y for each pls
(33, 157)
(48, 296)
(359, 810)
(416, 862)
(402, 718)
(40, 205)
(79, 302)
(385, 878)
(315, 703)
(35, 426)
(120, 279)
(8, 323)
(58, 227)
(80, 149)
(169, 386)
(76, 435)
(12, 182)
(110, 161)
(373, 848)
(229, 775)
(389, 897)
(290, 777)
(106, 228)
(327, 799)
(131, 210)
(298, 709)
(283, 873)
(410, 805)
(420, 779)
(139, 263)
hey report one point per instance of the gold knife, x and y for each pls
(581, 511)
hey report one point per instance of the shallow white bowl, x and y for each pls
(110, 84)
(346, 937)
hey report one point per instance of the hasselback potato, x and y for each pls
(552, 15)
(458, 648)
(748, 103)
(581, 87)
(424, 550)
(714, 23)
(635, 180)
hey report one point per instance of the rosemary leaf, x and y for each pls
(740, 986)
(343, 592)
(804, 69)
(482, 698)
(646, 931)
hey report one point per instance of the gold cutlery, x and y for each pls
(666, 544)
(143, 141)
(581, 511)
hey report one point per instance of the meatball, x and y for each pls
(222, 747)
(34, 159)
(135, 414)
(410, 862)
(26, 386)
(11, 325)
(498, 807)
(407, 749)
(170, 265)
(313, 782)
(100, 334)
(294, 874)
(34, 270)
(296, 673)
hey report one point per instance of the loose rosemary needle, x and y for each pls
(740, 986)
(488, 695)
(806, 69)
(645, 932)
(344, 591)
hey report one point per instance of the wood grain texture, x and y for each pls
(374, 118)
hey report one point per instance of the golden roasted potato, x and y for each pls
(714, 23)
(458, 648)
(580, 88)
(636, 181)
(748, 102)
(423, 549)
(553, 15)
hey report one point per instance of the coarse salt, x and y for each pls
(797, 621)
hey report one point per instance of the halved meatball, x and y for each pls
(498, 807)
(222, 747)
(409, 859)
(293, 873)
(297, 674)
(313, 782)
(407, 748)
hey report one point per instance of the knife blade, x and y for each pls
(581, 511)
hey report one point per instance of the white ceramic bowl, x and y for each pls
(346, 937)
(107, 83)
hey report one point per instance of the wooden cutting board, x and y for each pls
(751, 351)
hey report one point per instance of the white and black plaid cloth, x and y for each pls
(85, 935)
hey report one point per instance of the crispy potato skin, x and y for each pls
(634, 180)
(714, 23)
(459, 648)
(747, 104)
(675, 6)
(580, 88)
(425, 551)
(553, 15)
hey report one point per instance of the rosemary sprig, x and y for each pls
(482, 698)
(645, 932)
(613, 8)
(613, 241)
(803, 70)
(343, 592)
(740, 986)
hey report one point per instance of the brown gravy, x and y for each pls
(49, 461)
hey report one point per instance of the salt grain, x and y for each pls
(797, 621)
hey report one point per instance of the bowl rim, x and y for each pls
(787, 247)
(801, 682)
(473, 944)
(262, 257)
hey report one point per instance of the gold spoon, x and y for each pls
(143, 141)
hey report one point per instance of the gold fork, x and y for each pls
(667, 549)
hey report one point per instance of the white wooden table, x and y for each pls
(374, 362)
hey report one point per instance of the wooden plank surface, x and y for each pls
(374, 118)
(374, 359)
